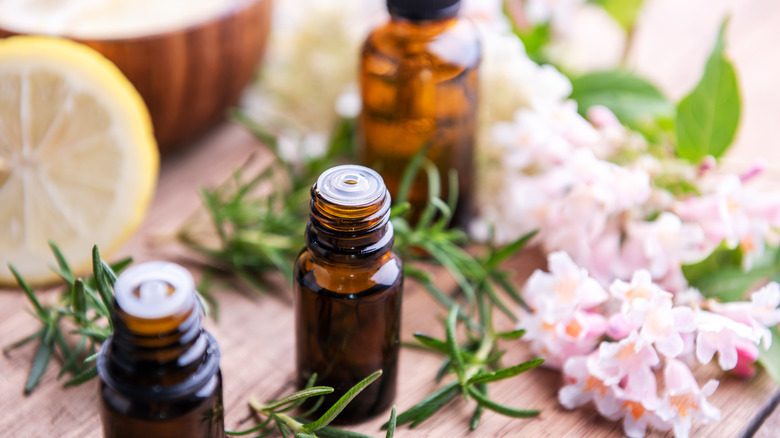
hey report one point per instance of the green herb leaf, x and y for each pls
(300, 395)
(707, 119)
(516, 334)
(391, 424)
(452, 344)
(40, 363)
(332, 432)
(84, 376)
(509, 250)
(502, 409)
(78, 300)
(635, 101)
(106, 293)
(29, 292)
(339, 406)
(432, 343)
(423, 410)
(505, 373)
(477, 415)
(410, 173)
(64, 269)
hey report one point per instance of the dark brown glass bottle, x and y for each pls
(348, 284)
(159, 372)
(418, 79)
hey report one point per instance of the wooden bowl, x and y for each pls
(189, 77)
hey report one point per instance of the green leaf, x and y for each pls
(39, 364)
(770, 359)
(248, 431)
(342, 403)
(515, 334)
(722, 257)
(78, 300)
(432, 343)
(106, 293)
(71, 357)
(391, 424)
(64, 270)
(730, 284)
(707, 119)
(505, 373)
(121, 265)
(635, 101)
(509, 250)
(82, 377)
(477, 415)
(423, 410)
(411, 172)
(625, 12)
(300, 395)
(29, 292)
(501, 409)
(453, 346)
(332, 432)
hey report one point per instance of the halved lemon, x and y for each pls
(78, 161)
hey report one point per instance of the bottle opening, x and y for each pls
(350, 185)
(154, 290)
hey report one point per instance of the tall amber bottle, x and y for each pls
(418, 79)
(159, 372)
(348, 285)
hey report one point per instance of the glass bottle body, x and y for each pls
(419, 87)
(347, 326)
(160, 377)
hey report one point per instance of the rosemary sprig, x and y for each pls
(277, 417)
(83, 309)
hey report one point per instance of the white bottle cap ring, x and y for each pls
(154, 290)
(351, 185)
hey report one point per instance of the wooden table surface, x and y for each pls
(255, 332)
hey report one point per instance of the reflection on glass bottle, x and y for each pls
(159, 372)
(348, 286)
(419, 89)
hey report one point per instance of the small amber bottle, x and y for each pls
(418, 79)
(348, 284)
(159, 372)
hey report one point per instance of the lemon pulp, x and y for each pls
(78, 161)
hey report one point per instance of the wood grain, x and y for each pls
(190, 77)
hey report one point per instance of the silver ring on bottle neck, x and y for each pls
(351, 185)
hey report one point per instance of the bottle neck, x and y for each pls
(159, 358)
(340, 234)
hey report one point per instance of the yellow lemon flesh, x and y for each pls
(78, 161)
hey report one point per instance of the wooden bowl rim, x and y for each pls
(236, 8)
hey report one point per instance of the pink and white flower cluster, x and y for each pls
(594, 190)
(613, 344)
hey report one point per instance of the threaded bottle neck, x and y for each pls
(159, 349)
(350, 215)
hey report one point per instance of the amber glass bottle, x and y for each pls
(348, 286)
(159, 372)
(418, 80)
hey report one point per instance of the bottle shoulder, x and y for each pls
(354, 279)
(454, 42)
